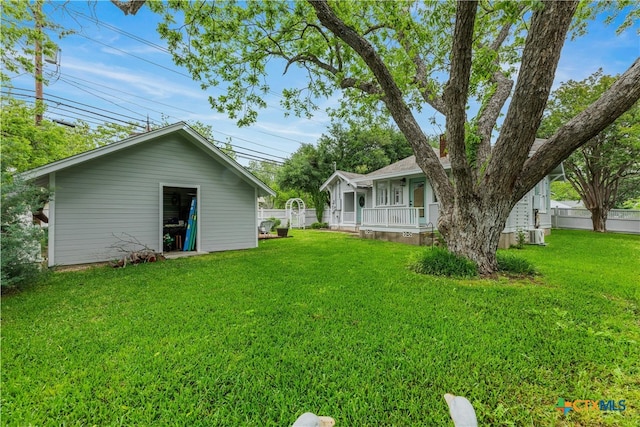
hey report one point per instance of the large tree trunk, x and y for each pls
(473, 213)
(472, 229)
(599, 219)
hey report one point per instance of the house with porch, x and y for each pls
(397, 203)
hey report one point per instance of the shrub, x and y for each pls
(511, 264)
(440, 262)
(21, 240)
(276, 223)
(317, 225)
(521, 239)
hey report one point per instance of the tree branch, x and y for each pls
(456, 93)
(620, 97)
(393, 99)
(488, 116)
(540, 57)
(129, 7)
(368, 87)
(427, 93)
(303, 57)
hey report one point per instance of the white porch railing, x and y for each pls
(392, 217)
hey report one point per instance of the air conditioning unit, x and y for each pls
(536, 236)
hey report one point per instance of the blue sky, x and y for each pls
(118, 64)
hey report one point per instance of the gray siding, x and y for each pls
(120, 193)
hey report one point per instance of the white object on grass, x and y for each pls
(312, 420)
(461, 410)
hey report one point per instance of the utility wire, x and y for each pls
(249, 149)
(120, 31)
(181, 109)
(105, 99)
(83, 104)
(70, 77)
(135, 56)
(79, 109)
(59, 109)
(155, 46)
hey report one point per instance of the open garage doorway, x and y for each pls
(179, 218)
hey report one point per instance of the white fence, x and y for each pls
(619, 220)
(281, 214)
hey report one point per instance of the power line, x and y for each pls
(105, 99)
(120, 31)
(155, 46)
(69, 116)
(83, 104)
(126, 93)
(80, 109)
(283, 137)
(181, 109)
(86, 114)
(249, 149)
(135, 56)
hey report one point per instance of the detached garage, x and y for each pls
(169, 189)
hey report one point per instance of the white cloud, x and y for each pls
(141, 82)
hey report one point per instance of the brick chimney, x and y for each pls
(443, 146)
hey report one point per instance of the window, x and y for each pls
(397, 192)
(382, 194)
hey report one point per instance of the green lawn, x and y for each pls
(332, 324)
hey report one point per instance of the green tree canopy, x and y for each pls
(563, 190)
(360, 148)
(596, 169)
(26, 146)
(305, 171)
(19, 34)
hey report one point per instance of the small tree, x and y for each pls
(21, 240)
(596, 169)
(361, 147)
(303, 171)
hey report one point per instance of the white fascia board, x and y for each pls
(397, 174)
(332, 178)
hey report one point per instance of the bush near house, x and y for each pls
(511, 264)
(439, 261)
(20, 243)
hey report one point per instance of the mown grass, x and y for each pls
(327, 323)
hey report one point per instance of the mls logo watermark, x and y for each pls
(566, 406)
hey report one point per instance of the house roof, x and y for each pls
(354, 179)
(406, 166)
(409, 166)
(180, 128)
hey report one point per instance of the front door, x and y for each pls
(360, 203)
(416, 197)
